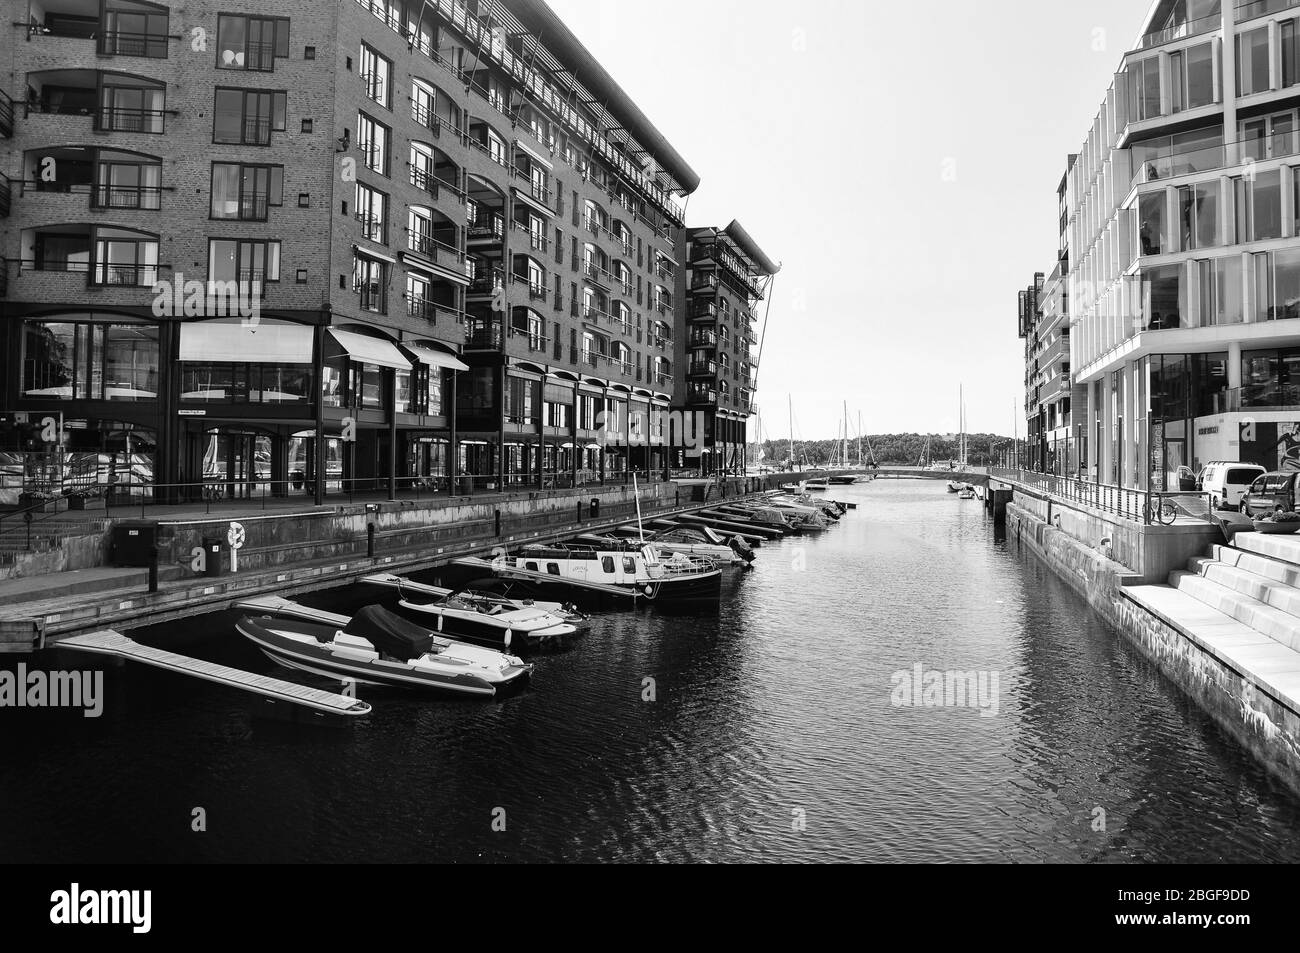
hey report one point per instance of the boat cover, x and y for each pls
(391, 634)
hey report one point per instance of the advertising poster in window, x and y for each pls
(1272, 445)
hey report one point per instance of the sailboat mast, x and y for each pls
(792, 431)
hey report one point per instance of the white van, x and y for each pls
(1228, 482)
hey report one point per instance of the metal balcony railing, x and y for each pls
(142, 198)
(118, 43)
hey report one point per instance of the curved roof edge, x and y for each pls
(549, 29)
(741, 237)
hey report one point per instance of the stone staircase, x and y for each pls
(1241, 603)
(55, 544)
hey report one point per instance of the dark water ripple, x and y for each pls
(773, 711)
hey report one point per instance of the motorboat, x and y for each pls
(819, 485)
(967, 493)
(690, 541)
(376, 647)
(485, 618)
(617, 568)
(954, 486)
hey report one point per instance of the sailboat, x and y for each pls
(844, 454)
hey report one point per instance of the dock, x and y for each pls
(116, 645)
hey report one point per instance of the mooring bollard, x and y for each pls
(370, 540)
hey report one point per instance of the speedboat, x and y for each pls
(617, 568)
(377, 647)
(485, 618)
(954, 486)
(819, 485)
(967, 493)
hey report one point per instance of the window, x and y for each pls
(1151, 223)
(248, 116)
(370, 283)
(607, 564)
(1164, 300)
(1277, 284)
(372, 214)
(251, 43)
(629, 565)
(496, 148)
(1252, 62)
(250, 263)
(424, 102)
(131, 109)
(123, 258)
(1197, 208)
(1269, 136)
(79, 361)
(1144, 89)
(1221, 291)
(376, 74)
(132, 33)
(245, 383)
(246, 192)
(373, 139)
(127, 185)
(1259, 206)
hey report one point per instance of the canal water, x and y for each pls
(774, 729)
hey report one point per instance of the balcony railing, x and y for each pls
(664, 380)
(150, 121)
(6, 116)
(1181, 31)
(702, 369)
(594, 273)
(372, 227)
(428, 182)
(137, 276)
(702, 395)
(147, 198)
(704, 282)
(117, 43)
(483, 333)
(6, 195)
(536, 241)
(1258, 8)
(703, 339)
(422, 243)
(486, 282)
(493, 231)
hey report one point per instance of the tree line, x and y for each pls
(893, 449)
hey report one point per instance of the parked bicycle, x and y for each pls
(1160, 510)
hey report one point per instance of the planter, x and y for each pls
(1275, 529)
(36, 505)
(87, 503)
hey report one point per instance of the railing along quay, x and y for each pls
(1127, 503)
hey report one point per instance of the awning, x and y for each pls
(216, 342)
(371, 253)
(534, 153)
(431, 358)
(554, 393)
(533, 203)
(368, 350)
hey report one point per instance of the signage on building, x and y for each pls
(1207, 431)
(192, 413)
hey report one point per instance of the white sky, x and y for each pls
(899, 159)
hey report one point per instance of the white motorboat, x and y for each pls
(619, 569)
(376, 647)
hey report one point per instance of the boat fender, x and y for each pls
(648, 590)
(509, 636)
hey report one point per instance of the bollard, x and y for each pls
(497, 514)
(580, 511)
(370, 540)
(153, 569)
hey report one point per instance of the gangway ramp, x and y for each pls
(115, 644)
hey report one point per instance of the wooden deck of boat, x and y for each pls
(115, 644)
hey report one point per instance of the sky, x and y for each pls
(899, 160)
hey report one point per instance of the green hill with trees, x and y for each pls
(894, 449)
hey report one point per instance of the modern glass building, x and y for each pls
(1184, 236)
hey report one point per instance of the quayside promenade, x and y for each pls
(212, 555)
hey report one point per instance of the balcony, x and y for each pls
(664, 380)
(703, 339)
(433, 185)
(491, 231)
(536, 240)
(426, 309)
(439, 252)
(6, 116)
(704, 311)
(485, 281)
(705, 282)
(701, 395)
(5, 195)
(136, 29)
(1190, 28)
(597, 275)
(702, 369)
(484, 333)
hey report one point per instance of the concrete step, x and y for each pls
(1271, 569)
(1283, 548)
(1279, 595)
(1263, 661)
(1264, 619)
(77, 582)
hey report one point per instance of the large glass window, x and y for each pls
(372, 214)
(1221, 291)
(251, 43)
(245, 383)
(122, 260)
(248, 116)
(74, 360)
(251, 263)
(1277, 284)
(1151, 223)
(1198, 212)
(246, 192)
(373, 139)
(370, 283)
(1144, 89)
(1164, 298)
(1252, 61)
(128, 185)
